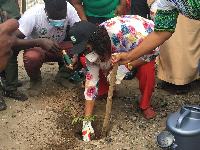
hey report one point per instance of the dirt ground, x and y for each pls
(44, 123)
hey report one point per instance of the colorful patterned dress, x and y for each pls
(125, 32)
(168, 10)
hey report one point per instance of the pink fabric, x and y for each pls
(35, 57)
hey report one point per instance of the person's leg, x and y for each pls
(11, 73)
(140, 7)
(35, 57)
(64, 77)
(199, 66)
(33, 60)
(11, 79)
(2, 102)
(146, 76)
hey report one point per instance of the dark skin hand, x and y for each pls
(21, 43)
(6, 41)
(121, 8)
(49, 45)
(74, 65)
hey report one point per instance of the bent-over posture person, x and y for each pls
(97, 43)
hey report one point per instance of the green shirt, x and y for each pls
(10, 7)
(100, 8)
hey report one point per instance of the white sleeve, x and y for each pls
(165, 5)
(27, 21)
(72, 14)
(92, 80)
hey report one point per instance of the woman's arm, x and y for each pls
(120, 10)
(153, 40)
(79, 8)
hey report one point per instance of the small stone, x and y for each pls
(13, 116)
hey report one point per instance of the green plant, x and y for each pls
(88, 118)
(70, 107)
(165, 102)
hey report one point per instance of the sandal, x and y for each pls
(2, 104)
(149, 112)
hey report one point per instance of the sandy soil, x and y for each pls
(44, 123)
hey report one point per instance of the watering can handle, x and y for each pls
(181, 118)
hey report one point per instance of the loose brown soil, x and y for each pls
(44, 123)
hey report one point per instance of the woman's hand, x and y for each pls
(123, 58)
(49, 45)
(120, 10)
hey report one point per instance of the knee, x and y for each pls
(32, 61)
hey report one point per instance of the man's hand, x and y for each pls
(123, 58)
(49, 45)
(6, 40)
(120, 10)
(74, 64)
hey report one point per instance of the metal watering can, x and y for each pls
(183, 130)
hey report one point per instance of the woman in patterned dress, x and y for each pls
(97, 43)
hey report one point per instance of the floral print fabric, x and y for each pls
(126, 32)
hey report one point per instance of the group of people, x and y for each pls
(42, 32)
